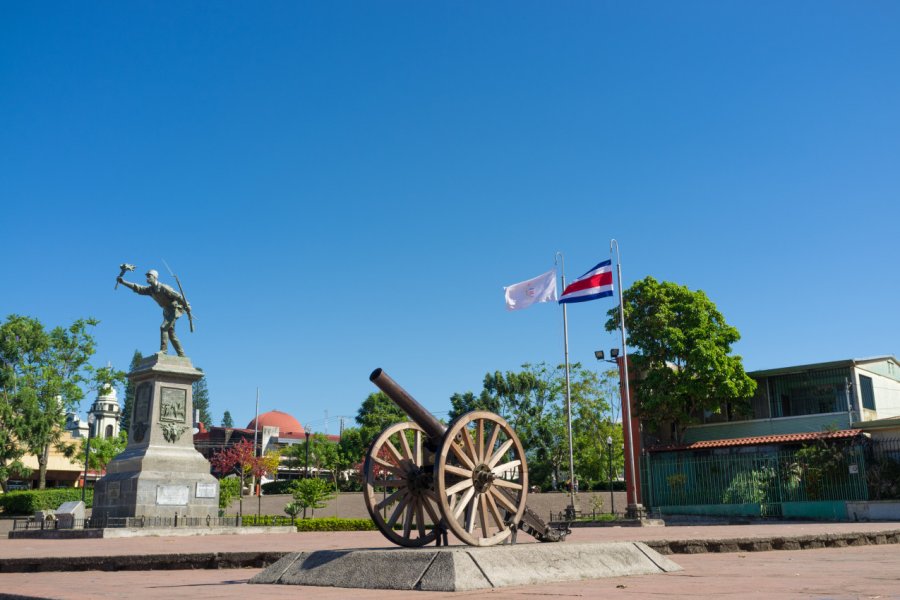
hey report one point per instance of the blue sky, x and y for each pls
(345, 185)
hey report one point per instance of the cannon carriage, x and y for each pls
(424, 479)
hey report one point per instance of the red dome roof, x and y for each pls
(275, 418)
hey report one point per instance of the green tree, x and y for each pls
(313, 493)
(201, 400)
(227, 421)
(49, 371)
(353, 452)
(684, 366)
(103, 450)
(465, 402)
(377, 412)
(19, 338)
(533, 402)
(595, 417)
(128, 405)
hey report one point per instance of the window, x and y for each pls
(867, 392)
(809, 393)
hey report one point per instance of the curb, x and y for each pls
(800, 542)
(141, 562)
(242, 560)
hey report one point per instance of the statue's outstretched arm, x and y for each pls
(131, 286)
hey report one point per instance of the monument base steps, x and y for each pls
(465, 568)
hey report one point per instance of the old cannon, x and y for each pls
(423, 478)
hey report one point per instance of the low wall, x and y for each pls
(874, 510)
(351, 504)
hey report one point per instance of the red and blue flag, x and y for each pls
(596, 283)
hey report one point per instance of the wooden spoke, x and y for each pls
(507, 484)
(495, 512)
(463, 502)
(482, 514)
(471, 513)
(501, 451)
(417, 440)
(469, 446)
(458, 452)
(398, 510)
(507, 504)
(420, 516)
(390, 499)
(408, 517)
(407, 451)
(430, 510)
(458, 487)
(479, 439)
(393, 450)
(489, 449)
(500, 469)
(388, 465)
(458, 471)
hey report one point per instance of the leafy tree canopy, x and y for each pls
(201, 400)
(47, 372)
(377, 412)
(227, 421)
(684, 366)
(103, 450)
(128, 405)
(533, 402)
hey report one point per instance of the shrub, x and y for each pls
(265, 521)
(229, 488)
(748, 487)
(283, 486)
(27, 502)
(313, 493)
(335, 524)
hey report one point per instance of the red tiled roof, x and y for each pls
(785, 438)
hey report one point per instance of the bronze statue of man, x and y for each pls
(172, 303)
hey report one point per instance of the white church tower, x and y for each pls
(107, 412)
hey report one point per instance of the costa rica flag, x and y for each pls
(596, 283)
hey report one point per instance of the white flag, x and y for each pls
(540, 289)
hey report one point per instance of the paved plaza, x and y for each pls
(871, 571)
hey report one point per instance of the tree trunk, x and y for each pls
(42, 464)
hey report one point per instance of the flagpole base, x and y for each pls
(635, 511)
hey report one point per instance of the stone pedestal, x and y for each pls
(159, 474)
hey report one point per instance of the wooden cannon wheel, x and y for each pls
(481, 478)
(398, 474)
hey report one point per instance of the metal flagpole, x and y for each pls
(256, 426)
(572, 500)
(633, 506)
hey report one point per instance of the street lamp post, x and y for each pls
(87, 454)
(612, 500)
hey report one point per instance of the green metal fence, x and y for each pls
(753, 483)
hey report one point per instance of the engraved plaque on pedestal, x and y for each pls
(173, 495)
(206, 490)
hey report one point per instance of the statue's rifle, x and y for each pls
(187, 306)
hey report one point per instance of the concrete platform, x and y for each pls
(450, 569)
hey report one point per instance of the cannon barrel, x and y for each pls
(421, 417)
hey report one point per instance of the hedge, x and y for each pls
(314, 524)
(27, 502)
(282, 486)
(335, 524)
